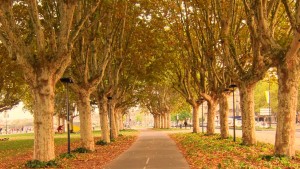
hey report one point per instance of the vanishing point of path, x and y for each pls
(152, 150)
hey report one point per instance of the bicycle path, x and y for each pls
(152, 150)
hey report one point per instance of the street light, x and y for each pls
(109, 115)
(270, 118)
(67, 81)
(233, 109)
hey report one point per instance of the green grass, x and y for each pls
(22, 143)
(19, 144)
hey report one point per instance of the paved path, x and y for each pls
(152, 150)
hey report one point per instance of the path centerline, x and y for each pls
(154, 145)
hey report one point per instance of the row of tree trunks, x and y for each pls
(162, 120)
(107, 110)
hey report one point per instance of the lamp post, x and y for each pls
(270, 103)
(109, 116)
(67, 81)
(233, 108)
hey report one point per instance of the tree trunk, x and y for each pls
(156, 121)
(211, 117)
(86, 134)
(196, 128)
(103, 112)
(163, 120)
(168, 120)
(224, 116)
(248, 115)
(159, 121)
(121, 124)
(114, 129)
(117, 119)
(43, 120)
(288, 80)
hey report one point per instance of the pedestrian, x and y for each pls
(60, 129)
(185, 124)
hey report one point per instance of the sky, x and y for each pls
(16, 113)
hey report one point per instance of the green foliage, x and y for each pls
(139, 117)
(101, 143)
(81, 150)
(67, 156)
(182, 115)
(41, 164)
(12, 85)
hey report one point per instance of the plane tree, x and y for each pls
(118, 77)
(39, 36)
(91, 56)
(274, 24)
(196, 69)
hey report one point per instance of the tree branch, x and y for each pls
(40, 38)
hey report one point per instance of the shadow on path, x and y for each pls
(152, 150)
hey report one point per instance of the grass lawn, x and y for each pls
(209, 152)
(19, 148)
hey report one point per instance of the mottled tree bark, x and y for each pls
(43, 120)
(86, 132)
(159, 121)
(114, 129)
(288, 80)
(168, 120)
(224, 111)
(196, 128)
(103, 112)
(117, 119)
(154, 121)
(163, 120)
(121, 123)
(211, 117)
(248, 115)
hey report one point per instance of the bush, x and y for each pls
(67, 155)
(41, 164)
(81, 150)
(101, 142)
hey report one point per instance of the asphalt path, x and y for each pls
(152, 150)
